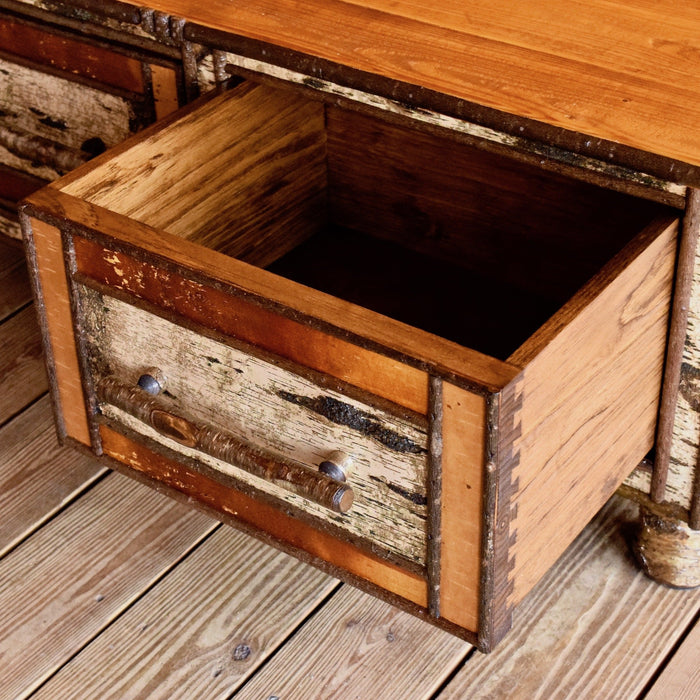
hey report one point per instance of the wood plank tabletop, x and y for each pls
(626, 72)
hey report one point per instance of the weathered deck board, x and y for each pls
(595, 626)
(37, 476)
(680, 680)
(22, 372)
(15, 290)
(359, 647)
(243, 599)
(62, 587)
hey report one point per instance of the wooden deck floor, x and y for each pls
(110, 590)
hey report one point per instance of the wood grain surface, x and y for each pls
(46, 249)
(595, 626)
(359, 648)
(37, 476)
(623, 71)
(252, 191)
(60, 588)
(238, 611)
(22, 371)
(590, 400)
(680, 679)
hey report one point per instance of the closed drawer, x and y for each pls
(484, 339)
(67, 97)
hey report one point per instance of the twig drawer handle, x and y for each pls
(316, 486)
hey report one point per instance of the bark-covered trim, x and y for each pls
(499, 533)
(434, 490)
(676, 343)
(420, 98)
(341, 574)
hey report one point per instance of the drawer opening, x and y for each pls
(469, 245)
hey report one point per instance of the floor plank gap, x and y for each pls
(664, 665)
(289, 637)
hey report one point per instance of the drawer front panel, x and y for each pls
(233, 315)
(59, 115)
(66, 53)
(269, 406)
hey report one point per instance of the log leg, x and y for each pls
(668, 550)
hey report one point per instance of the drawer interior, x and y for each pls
(475, 247)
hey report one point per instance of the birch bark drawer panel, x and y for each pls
(260, 403)
(66, 97)
(298, 279)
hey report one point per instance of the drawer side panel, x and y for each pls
(590, 402)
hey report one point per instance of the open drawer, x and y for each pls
(415, 363)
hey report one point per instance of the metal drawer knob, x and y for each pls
(152, 381)
(337, 465)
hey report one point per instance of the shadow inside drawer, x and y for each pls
(437, 296)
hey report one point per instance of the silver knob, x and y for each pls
(152, 381)
(337, 465)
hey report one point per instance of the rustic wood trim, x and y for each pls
(149, 479)
(190, 53)
(687, 249)
(388, 377)
(261, 516)
(464, 440)
(37, 149)
(500, 514)
(211, 440)
(67, 16)
(434, 490)
(694, 517)
(136, 99)
(89, 395)
(52, 283)
(126, 80)
(42, 318)
(543, 156)
(518, 128)
(122, 11)
(227, 481)
(324, 381)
